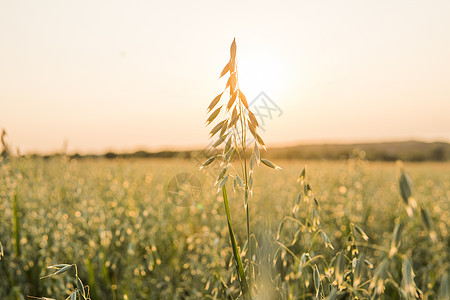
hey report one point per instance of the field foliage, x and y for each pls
(342, 229)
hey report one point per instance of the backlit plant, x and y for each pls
(236, 132)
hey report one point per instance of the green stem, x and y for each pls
(16, 225)
(91, 278)
(244, 146)
(237, 257)
(249, 245)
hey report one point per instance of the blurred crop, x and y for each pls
(113, 220)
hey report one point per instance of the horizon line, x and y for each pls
(313, 142)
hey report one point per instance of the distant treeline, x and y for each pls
(386, 151)
(137, 154)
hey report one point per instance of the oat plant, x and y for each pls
(80, 293)
(5, 148)
(235, 136)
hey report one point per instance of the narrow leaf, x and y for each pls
(340, 268)
(233, 82)
(359, 271)
(260, 141)
(298, 198)
(362, 233)
(222, 182)
(225, 70)
(224, 128)
(228, 82)
(232, 99)
(227, 145)
(232, 64)
(233, 49)
(270, 164)
(58, 266)
(405, 187)
(244, 100)
(234, 118)
(208, 162)
(316, 280)
(219, 141)
(217, 128)
(377, 281)
(396, 238)
(408, 284)
(326, 240)
(253, 119)
(252, 129)
(213, 116)
(252, 162)
(257, 153)
(63, 269)
(214, 102)
(221, 174)
(228, 154)
(302, 176)
(426, 219)
(239, 181)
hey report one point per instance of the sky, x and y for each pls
(95, 76)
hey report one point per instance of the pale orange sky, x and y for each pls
(122, 75)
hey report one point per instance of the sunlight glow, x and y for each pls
(261, 71)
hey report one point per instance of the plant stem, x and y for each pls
(244, 146)
(249, 245)
(16, 224)
(248, 228)
(237, 257)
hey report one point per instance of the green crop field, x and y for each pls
(135, 230)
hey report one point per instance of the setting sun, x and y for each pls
(262, 71)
